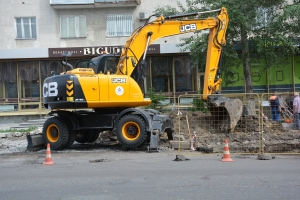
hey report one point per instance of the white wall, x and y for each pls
(48, 25)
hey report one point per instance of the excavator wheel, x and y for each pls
(94, 137)
(72, 133)
(131, 131)
(84, 136)
(71, 140)
(56, 132)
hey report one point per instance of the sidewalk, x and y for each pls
(8, 126)
(20, 126)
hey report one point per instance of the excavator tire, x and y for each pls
(71, 140)
(84, 136)
(56, 132)
(72, 133)
(131, 131)
(94, 137)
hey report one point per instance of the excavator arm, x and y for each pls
(225, 112)
(138, 42)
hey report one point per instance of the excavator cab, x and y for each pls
(101, 64)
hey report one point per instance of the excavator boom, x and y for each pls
(226, 112)
(142, 37)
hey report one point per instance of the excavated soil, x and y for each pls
(249, 136)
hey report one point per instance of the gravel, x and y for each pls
(13, 145)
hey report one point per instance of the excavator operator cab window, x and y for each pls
(82, 64)
(93, 65)
(110, 65)
(87, 64)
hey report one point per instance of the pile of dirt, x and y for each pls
(248, 136)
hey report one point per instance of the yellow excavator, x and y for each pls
(105, 95)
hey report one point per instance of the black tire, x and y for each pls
(94, 137)
(56, 132)
(72, 133)
(71, 140)
(131, 131)
(170, 134)
(84, 136)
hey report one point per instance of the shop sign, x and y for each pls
(83, 51)
(95, 51)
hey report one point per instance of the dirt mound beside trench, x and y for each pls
(248, 135)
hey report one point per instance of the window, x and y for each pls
(161, 71)
(119, 25)
(264, 16)
(73, 26)
(183, 74)
(26, 28)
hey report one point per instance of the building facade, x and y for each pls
(38, 33)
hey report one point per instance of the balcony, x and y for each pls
(75, 4)
(116, 3)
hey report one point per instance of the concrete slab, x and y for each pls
(18, 128)
(3, 135)
(7, 134)
(183, 144)
(289, 126)
(32, 124)
(7, 126)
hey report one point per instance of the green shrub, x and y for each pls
(199, 105)
(31, 128)
(155, 98)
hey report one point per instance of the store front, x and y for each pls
(21, 79)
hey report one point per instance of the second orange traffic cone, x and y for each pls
(48, 159)
(226, 155)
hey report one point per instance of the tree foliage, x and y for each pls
(261, 31)
(155, 98)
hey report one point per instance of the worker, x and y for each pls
(275, 106)
(296, 105)
(289, 101)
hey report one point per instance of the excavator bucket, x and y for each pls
(225, 112)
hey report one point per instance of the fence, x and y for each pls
(200, 127)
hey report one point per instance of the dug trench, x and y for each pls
(249, 136)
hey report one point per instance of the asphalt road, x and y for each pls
(111, 174)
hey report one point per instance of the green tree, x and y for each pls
(155, 98)
(264, 30)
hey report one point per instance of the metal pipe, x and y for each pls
(191, 14)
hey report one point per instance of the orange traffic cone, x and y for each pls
(226, 155)
(48, 159)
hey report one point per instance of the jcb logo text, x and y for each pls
(188, 27)
(50, 89)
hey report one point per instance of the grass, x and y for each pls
(31, 128)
